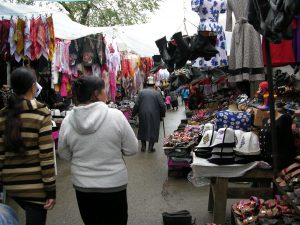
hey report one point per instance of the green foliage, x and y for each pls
(108, 12)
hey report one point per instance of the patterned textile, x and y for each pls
(209, 11)
(234, 120)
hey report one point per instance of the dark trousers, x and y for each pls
(103, 208)
(35, 213)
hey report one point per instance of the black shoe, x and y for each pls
(162, 45)
(182, 52)
(143, 148)
(201, 47)
(151, 149)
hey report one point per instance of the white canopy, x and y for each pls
(64, 27)
(137, 38)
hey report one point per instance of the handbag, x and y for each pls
(178, 218)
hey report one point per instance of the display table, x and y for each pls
(257, 172)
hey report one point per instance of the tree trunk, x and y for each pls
(85, 12)
(71, 13)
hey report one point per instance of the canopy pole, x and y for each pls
(272, 107)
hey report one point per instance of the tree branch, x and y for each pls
(69, 10)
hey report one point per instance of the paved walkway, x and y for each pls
(150, 192)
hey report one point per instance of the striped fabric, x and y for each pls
(30, 177)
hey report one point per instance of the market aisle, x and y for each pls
(149, 193)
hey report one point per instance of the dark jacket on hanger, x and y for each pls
(273, 18)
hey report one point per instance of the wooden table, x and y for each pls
(220, 191)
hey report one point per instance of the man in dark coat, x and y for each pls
(150, 108)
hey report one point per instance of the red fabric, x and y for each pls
(4, 32)
(33, 38)
(282, 54)
(294, 24)
(104, 67)
(125, 69)
(41, 37)
(146, 64)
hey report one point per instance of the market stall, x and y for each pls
(248, 132)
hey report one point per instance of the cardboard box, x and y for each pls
(259, 116)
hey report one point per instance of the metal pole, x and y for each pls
(272, 107)
(164, 128)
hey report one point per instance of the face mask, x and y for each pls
(39, 89)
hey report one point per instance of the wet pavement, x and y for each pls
(150, 191)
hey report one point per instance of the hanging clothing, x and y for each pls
(88, 53)
(113, 85)
(297, 39)
(285, 141)
(4, 35)
(209, 12)
(33, 38)
(245, 60)
(73, 53)
(27, 40)
(51, 44)
(12, 42)
(101, 46)
(62, 57)
(282, 54)
(64, 85)
(19, 36)
(41, 48)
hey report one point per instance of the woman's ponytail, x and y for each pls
(22, 80)
(13, 140)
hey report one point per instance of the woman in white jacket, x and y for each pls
(95, 138)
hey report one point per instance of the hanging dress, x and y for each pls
(41, 39)
(209, 11)
(4, 34)
(33, 38)
(19, 36)
(27, 40)
(245, 60)
(51, 43)
(12, 42)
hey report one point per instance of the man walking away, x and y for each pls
(150, 108)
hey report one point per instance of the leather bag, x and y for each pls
(177, 218)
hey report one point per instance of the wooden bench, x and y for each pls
(220, 191)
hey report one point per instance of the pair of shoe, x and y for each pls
(180, 49)
(150, 149)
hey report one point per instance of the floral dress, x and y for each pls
(209, 11)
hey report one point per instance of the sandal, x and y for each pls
(250, 220)
(292, 175)
(290, 169)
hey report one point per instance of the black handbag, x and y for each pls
(178, 218)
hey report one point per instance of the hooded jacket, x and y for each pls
(95, 138)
